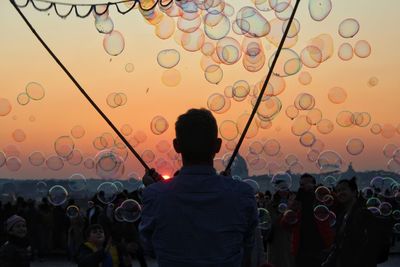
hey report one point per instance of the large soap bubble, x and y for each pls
(348, 28)
(168, 58)
(57, 195)
(114, 43)
(319, 9)
(107, 192)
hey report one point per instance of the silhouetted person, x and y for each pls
(310, 237)
(199, 218)
(363, 239)
(16, 252)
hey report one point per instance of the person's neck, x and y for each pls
(189, 163)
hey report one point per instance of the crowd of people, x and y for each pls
(201, 219)
(32, 231)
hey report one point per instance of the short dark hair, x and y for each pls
(307, 175)
(92, 227)
(352, 184)
(196, 133)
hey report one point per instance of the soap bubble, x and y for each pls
(216, 102)
(130, 210)
(23, 99)
(107, 192)
(348, 28)
(119, 186)
(57, 195)
(253, 184)
(64, 146)
(300, 125)
(329, 160)
(109, 164)
(19, 135)
(321, 193)
(385, 208)
(282, 181)
(289, 63)
(54, 163)
(319, 9)
(264, 219)
(228, 130)
(290, 217)
(325, 126)
(171, 77)
(78, 132)
(213, 74)
(355, 146)
(367, 192)
(272, 147)
(72, 211)
(337, 95)
(345, 118)
(77, 182)
(345, 51)
(321, 213)
(282, 207)
(305, 78)
(292, 112)
(105, 25)
(129, 67)
(168, 58)
(35, 91)
(159, 125)
(5, 107)
(42, 188)
(329, 181)
(304, 101)
(362, 49)
(114, 43)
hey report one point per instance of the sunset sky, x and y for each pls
(80, 47)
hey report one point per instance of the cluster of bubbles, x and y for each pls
(386, 130)
(113, 42)
(224, 36)
(33, 91)
(392, 153)
(115, 99)
(381, 196)
(107, 192)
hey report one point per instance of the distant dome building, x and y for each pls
(239, 167)
(349, 173)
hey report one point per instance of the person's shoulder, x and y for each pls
(237, 186)
(7, 249)
(157, 188)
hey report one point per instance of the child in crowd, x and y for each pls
(16, 251)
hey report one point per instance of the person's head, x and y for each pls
(347, 191)
(197, 137)
(95, 234)
(307, 182)
(16, 226)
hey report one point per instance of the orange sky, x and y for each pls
(79, 46)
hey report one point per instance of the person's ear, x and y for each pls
(218, 145)
(176, 146)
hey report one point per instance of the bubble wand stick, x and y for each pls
(260, 96)
(88, 98)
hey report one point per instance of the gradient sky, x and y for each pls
(80, 47)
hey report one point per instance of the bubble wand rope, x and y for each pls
(257, 104)
(88, 98)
